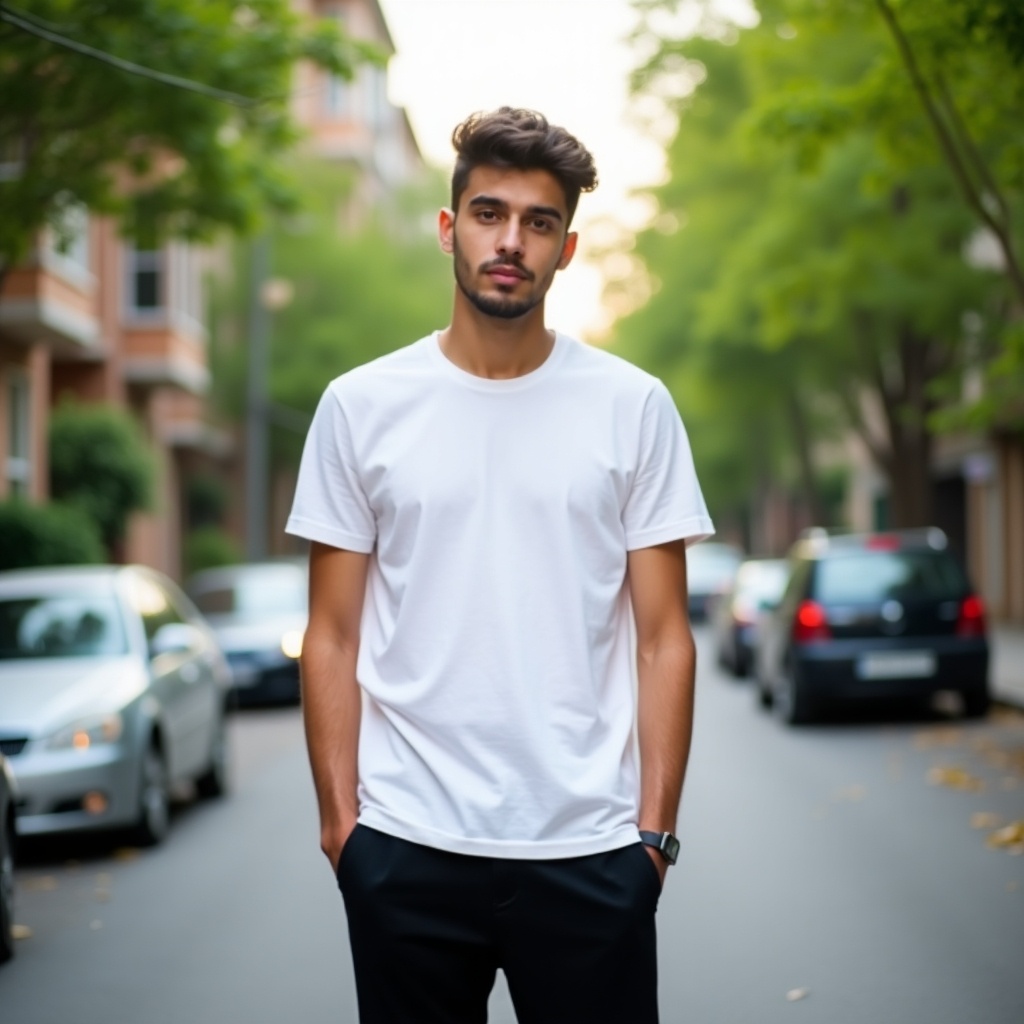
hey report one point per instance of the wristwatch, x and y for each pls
(664, 842)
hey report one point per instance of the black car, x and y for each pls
(872, 616)
(258, 612)
(7, 802)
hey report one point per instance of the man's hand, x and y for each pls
(659, 862)
(332, 842)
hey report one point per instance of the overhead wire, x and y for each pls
(19, 20)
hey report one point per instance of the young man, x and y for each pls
(489, 507)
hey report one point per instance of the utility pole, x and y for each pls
(256, 426)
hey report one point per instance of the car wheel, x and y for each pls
(976, 702)
(6, 891)
(214, 781)
(154, 799)
(792, 703)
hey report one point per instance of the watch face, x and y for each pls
(671, 847)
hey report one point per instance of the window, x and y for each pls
(68, 239)
(19, 425)
(146, 285)
(338, 92)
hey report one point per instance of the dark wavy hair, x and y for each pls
(523, 140)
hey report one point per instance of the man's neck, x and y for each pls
(497, 349)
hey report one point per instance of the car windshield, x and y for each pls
(710, 566)
(256, 593)
(870, 576)
(762, 581)
(61, 626)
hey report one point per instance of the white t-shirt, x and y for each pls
(495, 654)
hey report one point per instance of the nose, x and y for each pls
(510, 242)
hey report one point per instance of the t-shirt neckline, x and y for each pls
(526, 380)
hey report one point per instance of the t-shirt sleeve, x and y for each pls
(665, 501)
(330, 504)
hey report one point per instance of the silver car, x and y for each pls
(112, 691)
(7, 800)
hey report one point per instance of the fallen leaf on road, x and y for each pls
(41, 883)
(795, 994)
(985, 819)
(21, 931)
(102, 895)
(1008, 837)
(955, 777)
(933, 738)
(126, 853)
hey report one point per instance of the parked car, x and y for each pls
(7, 803)
(870, 616)
(112, 690)
(258, 611)
(710, 568)
(758, 582)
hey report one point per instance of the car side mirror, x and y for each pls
(174, 638)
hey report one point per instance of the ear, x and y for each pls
(568, 250)
(446, 230)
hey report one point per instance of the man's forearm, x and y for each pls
(664, 727)
(330, 709)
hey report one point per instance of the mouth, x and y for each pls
(506, 275)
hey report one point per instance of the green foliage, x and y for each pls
(365, 283)
(163, 158)
(207, 548)
(39, 535)
(206, 500)
(100, 463)
(808, 253)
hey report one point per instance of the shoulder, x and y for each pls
(611, 370)
(382, 375)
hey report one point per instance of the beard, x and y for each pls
(503, 307)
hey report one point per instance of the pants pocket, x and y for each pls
(346, 854)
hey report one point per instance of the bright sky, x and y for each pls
(566, 58)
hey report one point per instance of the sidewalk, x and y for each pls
(1007, 666)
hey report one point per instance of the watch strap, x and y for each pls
(664, 842)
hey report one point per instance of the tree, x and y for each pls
(816, 275)
(185, 145)
(364, 282)
(99, 464)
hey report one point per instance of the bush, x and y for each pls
(35, 535)
(100, 463)
(207, 548)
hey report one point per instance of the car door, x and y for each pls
(173, 674)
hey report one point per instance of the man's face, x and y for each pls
(508, 238)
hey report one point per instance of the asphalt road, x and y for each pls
(824, 878)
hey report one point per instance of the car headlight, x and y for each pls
(86, 733)
(291, 643)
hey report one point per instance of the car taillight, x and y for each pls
(810, 624)
(971, 621)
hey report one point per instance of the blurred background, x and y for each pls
(808, 225)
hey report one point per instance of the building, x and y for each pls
(99, 320)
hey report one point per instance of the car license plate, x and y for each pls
(897, 665)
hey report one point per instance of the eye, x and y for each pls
(488, 216)
(539, 224)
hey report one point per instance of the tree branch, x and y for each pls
(949, 148)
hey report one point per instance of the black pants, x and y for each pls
(429, 930)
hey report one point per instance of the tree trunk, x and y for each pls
(805, 458)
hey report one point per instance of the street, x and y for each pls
(838, 873)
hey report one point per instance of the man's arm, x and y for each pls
(330, 694)
(666, 662)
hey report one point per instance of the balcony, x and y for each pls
(52, 301)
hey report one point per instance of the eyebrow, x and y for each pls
(544, 211)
